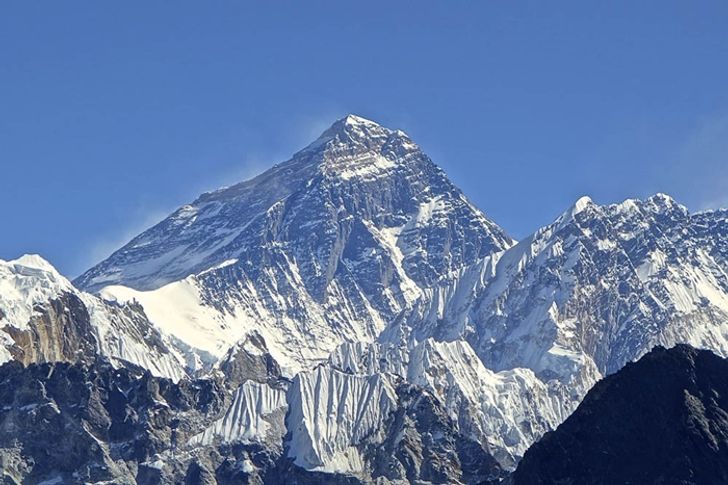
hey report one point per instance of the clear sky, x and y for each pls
(112, 114)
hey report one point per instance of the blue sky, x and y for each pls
(114, 113)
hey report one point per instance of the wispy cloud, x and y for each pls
(302, 131)
(146, 215)
(105, 244)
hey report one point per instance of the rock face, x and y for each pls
(663, 419)
(91, 422)
(43, 318)
(581, 297)
(58, 331)
(420, 445)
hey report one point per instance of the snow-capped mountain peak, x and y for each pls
(324, 248)
(43, 317)
(26, 282)
(353, 128)
(582, 204)
(34, 261)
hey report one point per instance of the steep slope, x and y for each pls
(342, 424)
(581, 297)
(601, 286)
(504, 411)
(325, 248)
(43, 318)
(90, 422)
(358, 256)
(609, 282)
(663, 419)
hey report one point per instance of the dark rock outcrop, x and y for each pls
(663, 419)
(422, 445)
(90, 422)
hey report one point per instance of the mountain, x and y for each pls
(323, 249)
(360, 255)
(606, 284)
(663, 419)
(505, 411)
(575, 301)
(596, 288)
(43, 318)
(90, 422)
(351, 300)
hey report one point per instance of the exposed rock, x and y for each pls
(45, 319)
(90, 422)
(663, 419)
(59, 331)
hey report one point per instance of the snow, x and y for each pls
(25, 282)
(250, 417)
(30, 281)
(652, 265)
(330, 412)
(363, 167)
(120, 340)
(247, 466)
(356, 120)
(224, 264)
(389, 238)
(689, 288)
(177, 310)
(508, 409)
(353, 124)
(428, 209)
(34, 261)
(581, 205)
(156, 464)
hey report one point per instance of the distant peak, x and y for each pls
(353, 124)
(662, 199)
(35, 267)
(582, 203)
(664, 204)
(34, 261)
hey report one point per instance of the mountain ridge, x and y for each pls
(356, 275)
(351, 148)
(662, 419)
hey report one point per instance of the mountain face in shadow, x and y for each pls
(663, 419)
